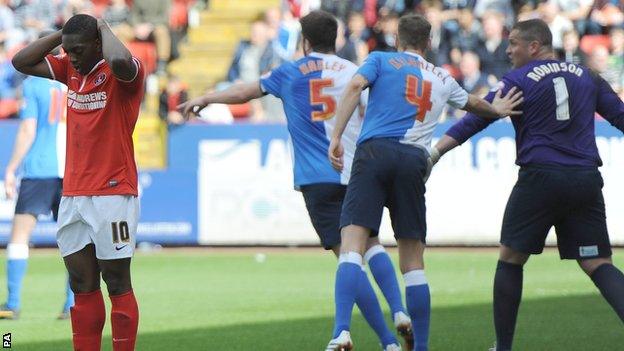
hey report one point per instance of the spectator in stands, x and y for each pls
(472, 79)
(178, 25)
(438, 51)
(33, 16)
(466, 38)
(9, 81)
(74, 7)
(117, 15)
(171, 96)
(10, 34)
(616, 57)
(599, 62)
(504, 7)
(571, 51)
(491, 51)
(576, 11)
(252, 57)
(283, 32)
(151, 17)
(550, 13)
(358, 34)
(345, 47)
(605, 14)
(386, 31)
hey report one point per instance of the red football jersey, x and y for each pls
(101, 113)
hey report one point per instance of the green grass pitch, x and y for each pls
(215, 299)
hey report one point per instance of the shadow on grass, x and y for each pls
(566, 323)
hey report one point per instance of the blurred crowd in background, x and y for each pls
(469, 39)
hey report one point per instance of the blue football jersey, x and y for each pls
(46, 101)
(558, 113)
(406, 98)
(310, 89)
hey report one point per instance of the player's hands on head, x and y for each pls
(9, 185)
(335, 153)
(192, 107)
(505, 104)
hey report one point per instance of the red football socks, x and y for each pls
(125, 321)
(87, 318)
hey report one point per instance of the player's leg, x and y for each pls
(383, 271)
(530, 213)
(57, 185)
(608, 279)
(17, 262)
(361, 215)
(324, 203)
(417, 295)
(114, 242)
(88, 313)
(406, 204)
(125, 310)
(507, 294)
(582, 235)
(35, 198)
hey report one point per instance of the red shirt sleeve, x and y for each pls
(136, 83)
(58, 66)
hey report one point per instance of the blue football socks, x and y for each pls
(419, 307)
(17, 261)
(382, 269)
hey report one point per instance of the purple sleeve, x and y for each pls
(609, 105)
(472, 124)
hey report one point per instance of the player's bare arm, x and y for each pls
(116, 54)
(31, 59)
(350, 100)
(23, 141)
(236, 94)
(501, 106)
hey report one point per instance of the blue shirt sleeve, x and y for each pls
(472, 124)
(370, 68)
(609, 105)
(29, 104)
(271, 83)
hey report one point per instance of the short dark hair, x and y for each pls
(414, 31)
(534, 30)
(81, 24)
(320, 29)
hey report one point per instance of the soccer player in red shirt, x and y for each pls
(99, 210)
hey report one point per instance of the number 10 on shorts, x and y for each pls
(121, 232)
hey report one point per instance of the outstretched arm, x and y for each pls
(236, 94)
(23, 142)
(501, 106)
(31, 59)
(116, 54)
(347, 105)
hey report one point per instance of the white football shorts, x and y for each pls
(109, 222)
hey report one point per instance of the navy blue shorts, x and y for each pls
(387, 173)
(39, 197)
(568, 198)
(324, 203)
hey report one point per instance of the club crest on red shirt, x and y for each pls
(100, 79)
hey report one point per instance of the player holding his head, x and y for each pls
(407, 96)
(40, 149)
(309, 89)
(99, 210)
(559, 183)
